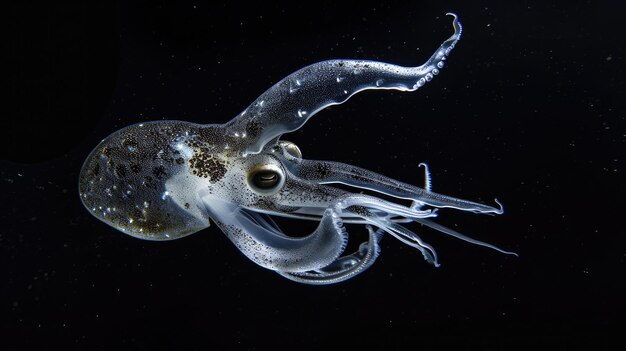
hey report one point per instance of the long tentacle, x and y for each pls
(287, 105)
(262, 242)
(344, 267)
(363, 205)
(458, 235)
(328, 172)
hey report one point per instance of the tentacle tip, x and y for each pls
(432, 259)
(458, 29)
(501, 209)
(511, 253)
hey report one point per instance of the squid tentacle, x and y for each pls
(428, 187)
(329, 172)
(262, 241)
(362, 205)
(367, 203)
(454, 233)
(288, 104)
(344, 267)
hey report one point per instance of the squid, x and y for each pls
(164, 180)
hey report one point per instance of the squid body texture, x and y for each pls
(164, 180)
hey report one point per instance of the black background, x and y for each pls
(529, 109)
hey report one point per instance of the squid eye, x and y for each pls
(265, 179)
(291, 148)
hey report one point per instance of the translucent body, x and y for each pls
(165, 180)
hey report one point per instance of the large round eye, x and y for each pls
(291, 148)
(266, 179)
